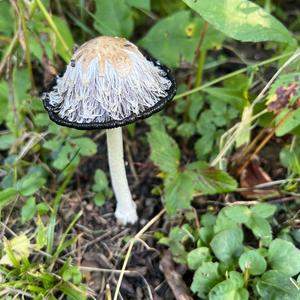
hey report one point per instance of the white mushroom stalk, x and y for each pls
(126, 208)
(108, 84)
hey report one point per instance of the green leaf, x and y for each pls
(227, 245)
(275, 285)
(253, 262)
(178, 36)
(260, 227)
(284, 256)
(205, 278)
(197, 257)
(175, 241)
(164, 150)
(179, 192)
(72, 292)
(6, 141)
(223, 222)
(28, 210)
(30, 184)
(186, 130)
(242, 20)
(113, 18)
(204, 145)
(86, 145)
(209, 180)
(66, 155)
(291, 123)
(100, 181)
(6, 18)
(99, 199)
(263, 210)
(53, 144)
(206, 234)
(238, 213)
(67, 36)
(6, 196)
(72, 273)
(42, 208)
(141, 4)
(230, 289)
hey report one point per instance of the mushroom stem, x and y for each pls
(126, 208)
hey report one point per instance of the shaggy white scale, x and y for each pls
(98, 86)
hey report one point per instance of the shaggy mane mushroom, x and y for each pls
(109, 83)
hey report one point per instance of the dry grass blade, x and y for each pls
(131, 244)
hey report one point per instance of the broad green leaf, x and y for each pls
(28, 210)
(164, 150)
(292, 121)
(72, 273)
(179, 192)
(253, 262)
(113, 18)
(223, 222)
(231, 95)
(242, 20)
(42, 208)
(53, 144)
(208, 219)
(186, 130)
(30, 184)
(204, 145)
(276, 285)
(260, 227)
(64, 30)
(263, 210)
(230, 289)
(209, 180)
(66, 155)
(141, 4)
(99, 199)
(238, 213)
(197, 257)
(100, 181)
(6, 141)
(206, 234)
(178, 36)
(86, 145)
(6, 18)
(227, 245)
(205, 278)
(284, 256)
(6, 196)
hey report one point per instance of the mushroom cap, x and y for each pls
(108, 83)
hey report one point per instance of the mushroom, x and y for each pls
(108, 84)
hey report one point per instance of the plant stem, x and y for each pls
(126, 208)
(27, 45)
(237, 72)
(201, 61)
